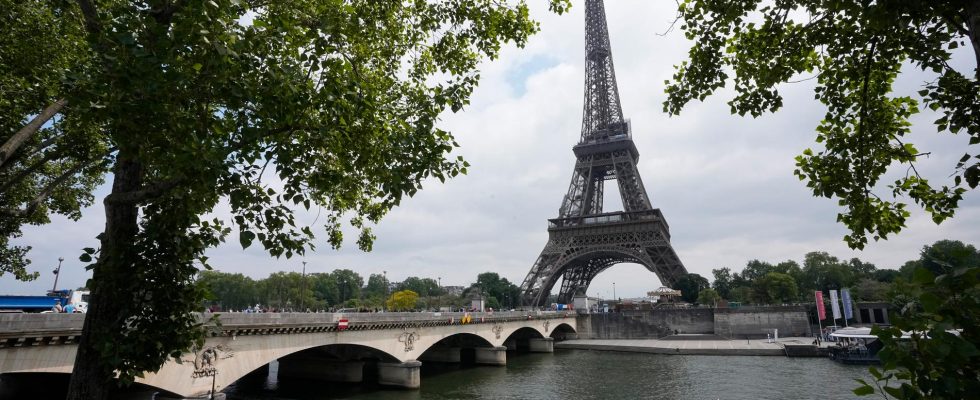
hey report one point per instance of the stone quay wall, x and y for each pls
(745, 322)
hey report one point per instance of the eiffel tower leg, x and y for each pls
(538, 282)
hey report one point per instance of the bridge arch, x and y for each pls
(250, 342)
(562, 332)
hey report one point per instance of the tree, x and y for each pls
(348, 284)
(821, 271)
(724, 282)
(325, 289)
(775, 287)
(690, 285)
(402, 300)
(187, 106)
(855, 50)
(934, 363)
(709, 297)
(503, 292)
(377, 287)
(870, 290)
(886, 275)
(50, 159)
(423, 286)
(756, 269)
(231, 291)
(946, 256)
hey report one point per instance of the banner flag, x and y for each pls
(846, 297)
(833, 304)
(821, 310)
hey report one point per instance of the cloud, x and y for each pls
(724, 183)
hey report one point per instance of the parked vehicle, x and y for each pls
(78, 298)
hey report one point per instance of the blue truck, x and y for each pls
(10, 303)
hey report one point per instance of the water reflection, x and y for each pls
(576, 374)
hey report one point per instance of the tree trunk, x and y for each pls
(92, 378)
(973, 26)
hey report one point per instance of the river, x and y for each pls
(583, 374)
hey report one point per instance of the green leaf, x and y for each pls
(246, 238)
(864, 390)
(923, 276)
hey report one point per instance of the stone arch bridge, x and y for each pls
(388, 346)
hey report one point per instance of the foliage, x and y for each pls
(231, 291)
(402, 300)
(856, 50)
(500, 292)
(708, 297)
(824, 272)
(423, 286)
(936, 362)
(52, 168)
(690, 285)
(870, 290)
(945, 256)
(191, 102)
(775, 287)
(377, 286)
(820, 271)
(348, 285)
(725, 282)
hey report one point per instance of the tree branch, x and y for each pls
(147, 193)
(91, 15)
(29, 170)
(33, 205)
(19, 138)
(973, 26)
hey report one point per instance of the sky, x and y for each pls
(724, 183)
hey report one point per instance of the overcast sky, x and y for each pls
(724, 183)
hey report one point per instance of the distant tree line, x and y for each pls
(762, 282)
(344, 288)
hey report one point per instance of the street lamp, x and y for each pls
(614, 290)
(385, 278)
(302, 294)
(57, 272)
(439, 303)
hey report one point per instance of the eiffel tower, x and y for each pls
(584, 241)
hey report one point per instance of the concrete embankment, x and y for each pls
(686, 347)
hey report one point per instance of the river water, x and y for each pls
(582, 374)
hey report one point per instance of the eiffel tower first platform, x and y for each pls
(583, 241)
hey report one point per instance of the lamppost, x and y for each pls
(385, 278)
(302, 294)
(439, 303)
(57, 272)
(614, 291)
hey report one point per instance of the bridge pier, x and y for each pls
(541, 345)
(406, 375)
(442, 354)
(491, 355)
(322, 369)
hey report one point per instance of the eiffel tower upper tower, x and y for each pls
(583, 241)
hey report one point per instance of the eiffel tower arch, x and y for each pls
(584, 241)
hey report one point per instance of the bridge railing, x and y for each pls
(19, 326)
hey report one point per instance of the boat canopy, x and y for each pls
(860, 333)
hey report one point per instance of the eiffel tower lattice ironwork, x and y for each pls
(584, 241)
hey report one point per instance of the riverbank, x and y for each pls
(717, 347)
